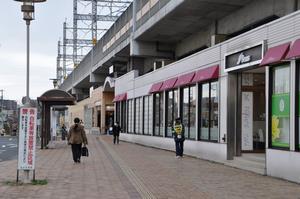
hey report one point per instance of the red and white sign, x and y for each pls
(27, 138)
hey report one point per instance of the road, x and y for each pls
(8, 148)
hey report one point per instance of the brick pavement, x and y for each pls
(133, 171)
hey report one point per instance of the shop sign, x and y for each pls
(281, 105)
(244, 58)
(27, 138)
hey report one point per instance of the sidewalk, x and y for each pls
(132, 171)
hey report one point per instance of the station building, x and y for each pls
(229, 69)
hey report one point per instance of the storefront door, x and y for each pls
(252, 111)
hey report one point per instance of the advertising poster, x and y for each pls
(27, 138)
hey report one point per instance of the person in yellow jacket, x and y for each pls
(77, 137)
(178, 134)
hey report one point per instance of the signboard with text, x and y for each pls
(27, 138)
(244, 58)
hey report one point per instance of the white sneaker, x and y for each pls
(177, 156)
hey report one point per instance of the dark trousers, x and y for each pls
(76, 151)
(179, 146)
(116, 138)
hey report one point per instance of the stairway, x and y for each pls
(254, 162)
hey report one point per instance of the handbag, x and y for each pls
(85, 151)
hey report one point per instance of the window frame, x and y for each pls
(160, 105)
(270, 93)
(173, 109)
(181, 102)
(297, 104)
(200, 89)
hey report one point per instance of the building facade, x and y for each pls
(236, 97)
(229, 69)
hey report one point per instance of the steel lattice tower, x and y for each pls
(79, 38)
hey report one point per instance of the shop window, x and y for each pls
(147, 115)
(209, 111)
(188, 111)
(280, 110)
(118, 111)
(123, 116)
(297, 137)
(138, 116)
(131, 116)
(172, 110)
(158, 114)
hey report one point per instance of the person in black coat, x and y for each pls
(116, 132)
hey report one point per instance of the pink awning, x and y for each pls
(206, 74)
(275, 54)
(120, 97)
(184, 79)
(168, 84)
(294, 51)
(155, 87)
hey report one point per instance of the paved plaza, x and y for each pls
(133, 171)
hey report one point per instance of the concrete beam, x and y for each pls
(79, 91)
(97, 78)
(150, 49)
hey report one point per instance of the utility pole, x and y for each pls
(1, 107)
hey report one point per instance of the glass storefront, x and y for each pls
(130, 114)
(147, 115)
(158, 114)
(209, 116)
(123, 116)
(298, 106)
(280, 111)
(139, 115)
(172, 110)
(118, 111)
(188, 111)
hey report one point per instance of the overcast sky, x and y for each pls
(46, 29)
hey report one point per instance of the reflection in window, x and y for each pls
(209, 117)
(205, 112)
(146, 115)
(118, 111)
(185, 111)
(188, 111)
(192, 115)
(131, 116)
(298, 104)
(123, 116)
(158, 114)
(172, 110)
(280, 131)
(214, 111)
(138, 116)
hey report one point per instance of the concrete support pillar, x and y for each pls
(231, 115)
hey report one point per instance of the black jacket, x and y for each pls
(116, 130)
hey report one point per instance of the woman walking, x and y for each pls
(76, 138)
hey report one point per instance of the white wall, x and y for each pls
(204, 150)
(283, 164)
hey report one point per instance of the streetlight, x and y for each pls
(28, 15)
(55, 82)
(27, 134)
